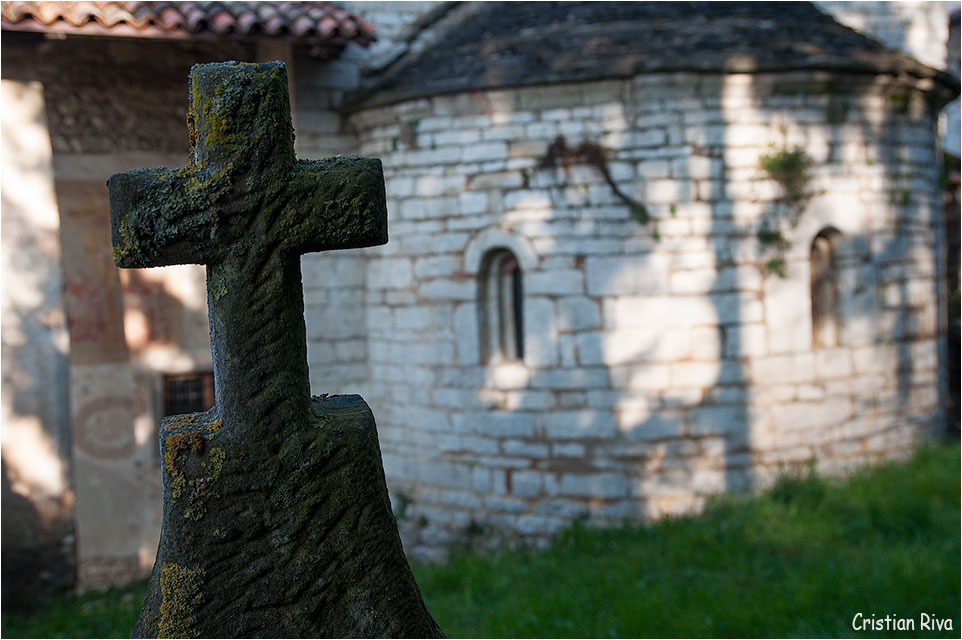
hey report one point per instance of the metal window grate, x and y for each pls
(188, 393)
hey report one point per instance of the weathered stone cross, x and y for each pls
(277, 520)
(247, 209)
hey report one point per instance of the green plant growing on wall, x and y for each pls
(901, 102)
(791, 168)
(640, 214)
(837, 106)
(775, 245)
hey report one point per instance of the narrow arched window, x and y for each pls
(500, 307)
(823, 261)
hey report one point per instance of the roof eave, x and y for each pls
(152, 32)
(943, 86)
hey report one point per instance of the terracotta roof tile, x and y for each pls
(309, 22)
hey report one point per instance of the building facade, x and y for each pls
(606, 298)
(610, 291)
(93, 355)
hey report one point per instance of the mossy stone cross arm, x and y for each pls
(277, 520)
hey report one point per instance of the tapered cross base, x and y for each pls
(288, 536)
(277, 521)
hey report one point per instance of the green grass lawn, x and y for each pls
(801, 560)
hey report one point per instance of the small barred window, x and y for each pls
(188, 393)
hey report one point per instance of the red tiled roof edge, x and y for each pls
(318, 23)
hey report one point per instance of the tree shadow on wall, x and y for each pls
(730, 430)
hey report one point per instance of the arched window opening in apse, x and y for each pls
(500, 308)
(823, 262)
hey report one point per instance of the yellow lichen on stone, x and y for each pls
(175, 445)
(218, 286)
(219, 130)
(177, 448)
(180, 595)
(216, 458)
(130, 244)
(200, 489)
(184, 420)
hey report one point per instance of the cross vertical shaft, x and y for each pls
(262, 367)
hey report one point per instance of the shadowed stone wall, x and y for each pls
(660, 365)
(113, 104)
(640, 353)
(108, 105)
(38, 527)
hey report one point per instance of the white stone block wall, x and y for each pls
(394, 22)
(335, 297)
(917, 27)
(335, 319)
(334, 294)
(660, 366)
(37, 491)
